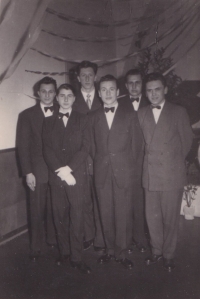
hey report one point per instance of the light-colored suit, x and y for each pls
(164, 173)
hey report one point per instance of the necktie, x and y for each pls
(48, 108)
(62, 114)
(112, 109)
(88, 101)
(134, 99)
(155, 107)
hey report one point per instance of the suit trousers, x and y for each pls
(89, 225)
(162, 214)
(116, 214)
(68, 205)
(98, 240)
(139, 220)
(41, 210)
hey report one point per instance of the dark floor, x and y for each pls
(21, 279)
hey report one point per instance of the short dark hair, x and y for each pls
(85, 64)
(67, 87)
(107, 78)
(47, 80)
(133, 72)
(154, 77)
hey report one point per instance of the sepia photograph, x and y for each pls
(99, 149)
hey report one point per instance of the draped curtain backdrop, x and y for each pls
(20, 26)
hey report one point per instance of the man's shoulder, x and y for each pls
(29, 112)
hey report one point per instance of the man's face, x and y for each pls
(108, 92)
(65, 99)
(134, 85)
(156, 92)
(47, 93)
(87, 78)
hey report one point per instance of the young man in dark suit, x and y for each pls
(88, 100)
(168, 138)
(66, 147)
(34, 168)
(136, 100)
(116, 144)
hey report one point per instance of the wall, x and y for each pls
(15, 96)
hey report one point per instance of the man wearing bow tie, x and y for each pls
(34, 168)
(135, 100)
(116, 144)
(88, 100)
(168, 138)
(66, 147)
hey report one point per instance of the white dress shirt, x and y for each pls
(136, 104)
(91, 95)
(157, 112)
(48, 113)
(110, 115)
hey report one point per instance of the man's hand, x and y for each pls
(63, 171)
(31, 181)
(198, 155)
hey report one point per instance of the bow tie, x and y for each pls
(155, 107)
(112, 109)
(62, 114)
(51, 108)
(134, 99)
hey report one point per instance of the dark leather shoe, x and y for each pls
(130, 250)
(87, 244)
(141, 248)
(52, 246)
(62, 259)
(82, 267)
(169, 265)
(34, 256)
(153, 259)
(98, 249)
(106, 258)
(126, 263)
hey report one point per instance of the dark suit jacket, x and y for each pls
(81, 106)
(29, 143)
(126, 102)
(166, 145)
(118, 147)
(66, 145)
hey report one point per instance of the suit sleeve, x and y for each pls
(185, 132)
(24, 143)
(80, 156)
(49, 155)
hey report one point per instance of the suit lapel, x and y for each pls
(102, 121)
(38, 118)
(163, 124)
(148, 125)
(96, 102)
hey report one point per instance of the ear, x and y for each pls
(78, 78)
(99, 93)
(126, 85)
(166, 90)
(118, 92)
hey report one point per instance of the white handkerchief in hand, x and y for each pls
(63, 171)
(70, 180)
